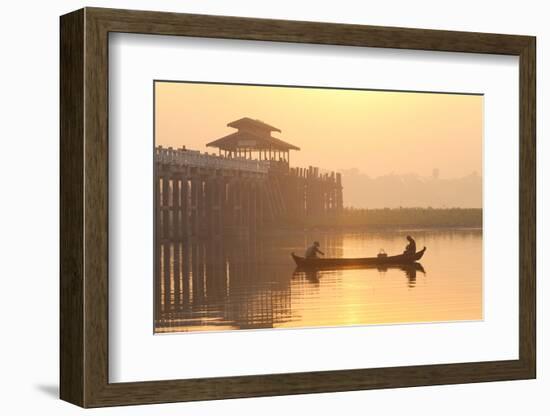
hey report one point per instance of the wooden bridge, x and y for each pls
(201, 194)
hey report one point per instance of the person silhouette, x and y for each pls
(311, 252)
(411, 247)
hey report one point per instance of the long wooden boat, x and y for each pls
(321, 262)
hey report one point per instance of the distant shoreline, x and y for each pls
(393, 218)
(373, 228)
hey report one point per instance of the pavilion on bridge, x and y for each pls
(253, 140)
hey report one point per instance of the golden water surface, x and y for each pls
(252, 283)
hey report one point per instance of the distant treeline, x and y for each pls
(393, 191)
(402, 217)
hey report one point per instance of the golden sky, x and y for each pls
(377, 132)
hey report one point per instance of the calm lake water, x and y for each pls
(252, 284)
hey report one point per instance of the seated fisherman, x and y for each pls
(311, 252)
(411, 247)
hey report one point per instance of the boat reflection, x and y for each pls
(410, 271)
(314, 275)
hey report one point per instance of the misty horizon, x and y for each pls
(411, 190)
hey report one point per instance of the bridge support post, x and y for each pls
(184, 195)
(194, 218)
(176, 208)
(165, 208)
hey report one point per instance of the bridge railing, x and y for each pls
(194, 158)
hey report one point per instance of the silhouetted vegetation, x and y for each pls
(399, 217)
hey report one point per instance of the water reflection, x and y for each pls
(410, 271)
(218, 285)
(313, 275)
(252, 283)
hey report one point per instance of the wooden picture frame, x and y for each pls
(84, 207)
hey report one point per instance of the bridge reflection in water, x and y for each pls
(219, 285)
(223, 284)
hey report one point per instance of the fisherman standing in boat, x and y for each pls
(311, 252)
(411, 247)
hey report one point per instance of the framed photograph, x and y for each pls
(257, 207)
